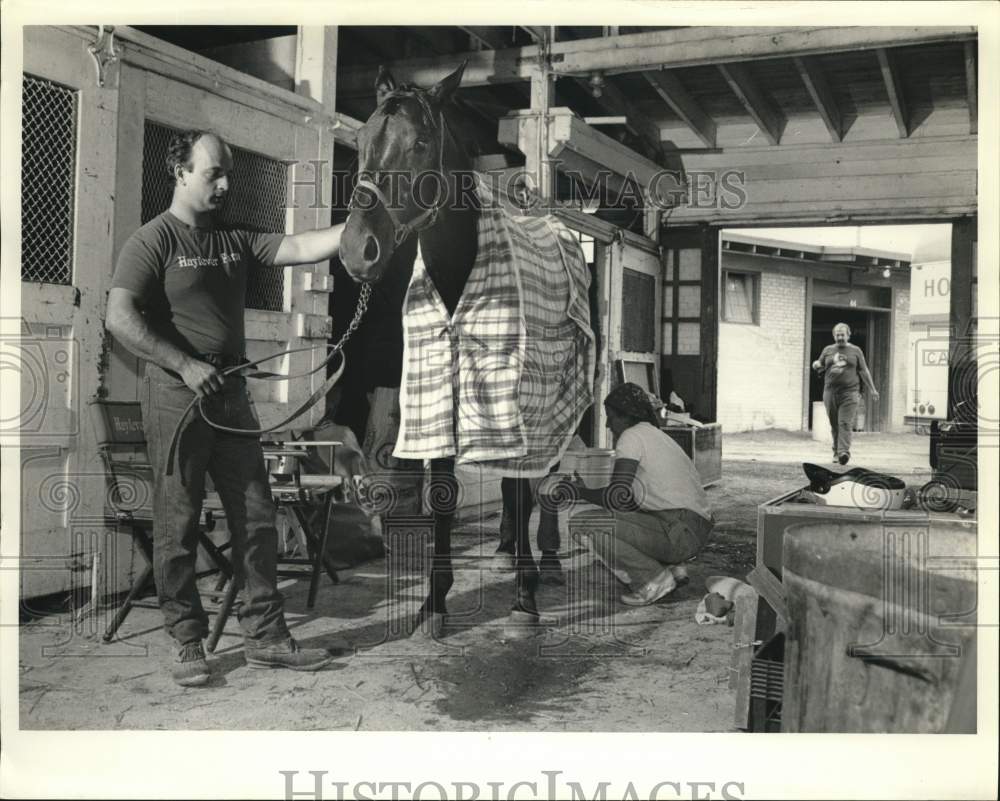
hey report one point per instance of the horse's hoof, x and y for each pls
(502, 562)
(428, 626)
(522, 625)
(554, 578)
(551, 572)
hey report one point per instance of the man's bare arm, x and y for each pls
(866, 375)
(128, 325)
(309, 247)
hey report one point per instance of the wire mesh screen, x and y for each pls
(638, 311)
(256, 202)
(48, 169)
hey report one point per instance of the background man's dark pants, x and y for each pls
(236, 465)
(842, 409)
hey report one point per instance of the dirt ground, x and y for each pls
(599, 666)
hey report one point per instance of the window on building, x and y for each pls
(741, 298)
(638, 311)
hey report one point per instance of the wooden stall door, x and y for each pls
(635, 288)
(690, 317)
(67, 188)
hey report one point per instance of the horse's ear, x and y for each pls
(444, 89)
(384, 84)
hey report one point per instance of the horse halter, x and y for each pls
(402, 229)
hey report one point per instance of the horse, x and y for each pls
(411, 134)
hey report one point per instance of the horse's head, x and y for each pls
(403, 152)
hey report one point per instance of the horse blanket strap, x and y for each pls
(268, 376)
(519, 351)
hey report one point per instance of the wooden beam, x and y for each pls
(540, 33)
(677, 47)
(768, 117)
(701, 45)
(490, 37)
(971, 86)
(614, 101)
(819, 90)
(673, 93)
(890, 75)
(316, 64)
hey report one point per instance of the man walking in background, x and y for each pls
(841, 364)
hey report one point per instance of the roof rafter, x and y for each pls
(894, 88)
(613, 100)
(637, 52)
(673, 93)
(768, 117)
(819, 90)
(490, 37)
(971, 86)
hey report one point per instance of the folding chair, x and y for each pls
(122, 446)
(303, 497)
(307, 499)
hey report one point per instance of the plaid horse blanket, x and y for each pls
(505, 381)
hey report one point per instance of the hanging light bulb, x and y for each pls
(597, 83)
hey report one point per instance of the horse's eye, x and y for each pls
(420, 146)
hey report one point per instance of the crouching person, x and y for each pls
(654, 514)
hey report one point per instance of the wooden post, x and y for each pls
(537, 163)
(312, 192)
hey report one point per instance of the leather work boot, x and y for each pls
(286, 654)
(652, 591)
(190, 668)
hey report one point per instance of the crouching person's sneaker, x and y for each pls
(680, 574)
(652, 591)
(190, 668)
(286, 654)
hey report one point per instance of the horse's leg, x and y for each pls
(442, 494)
(524, 613)
(547, 537)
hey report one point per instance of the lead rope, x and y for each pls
(328, 384)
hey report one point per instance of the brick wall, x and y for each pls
(761, 366)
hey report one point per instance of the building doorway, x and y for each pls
(870, 332)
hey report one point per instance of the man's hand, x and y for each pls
(202, 378)
(817, 365)
(875, 395)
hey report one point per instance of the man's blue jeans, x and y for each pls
(842, 409)
(236, 465)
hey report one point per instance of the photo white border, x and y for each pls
(137, 764)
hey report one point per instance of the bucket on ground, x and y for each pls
(881, 625)
(594, 465)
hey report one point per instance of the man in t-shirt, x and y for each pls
(177, 301)
(841, 364)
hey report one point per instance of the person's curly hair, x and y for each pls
(179, 151)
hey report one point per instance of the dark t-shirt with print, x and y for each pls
(840, 366)
(192, 281)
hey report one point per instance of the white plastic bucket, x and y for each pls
(593, 464)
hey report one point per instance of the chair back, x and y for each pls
(122, 444)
